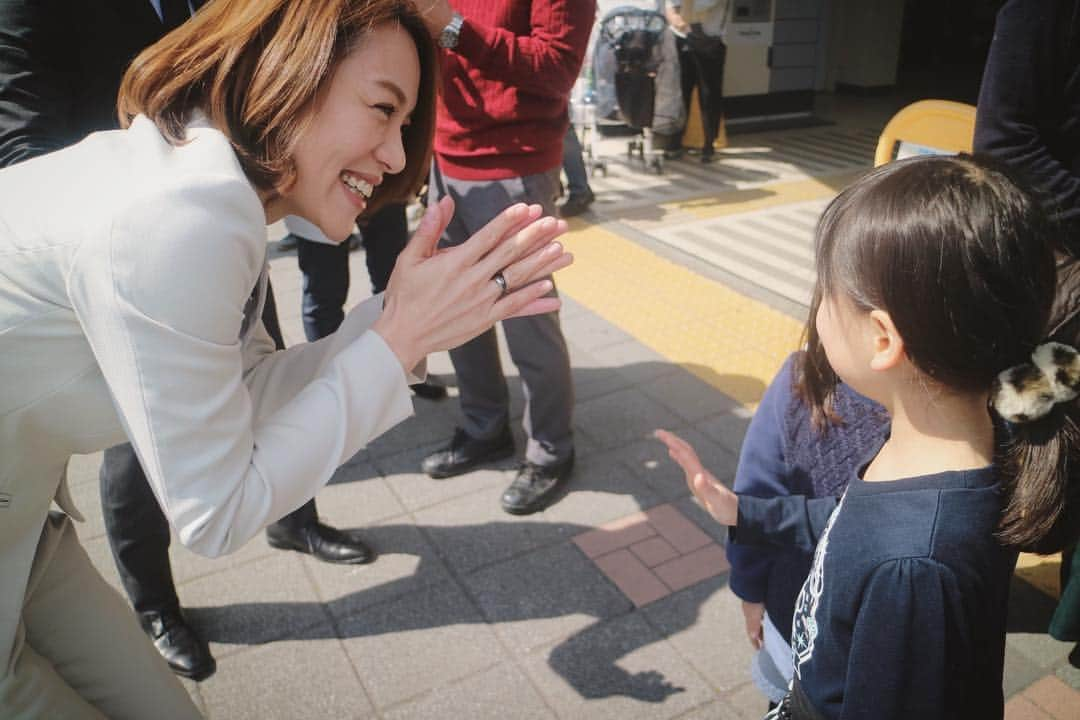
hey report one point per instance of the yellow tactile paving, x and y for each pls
(728, 340)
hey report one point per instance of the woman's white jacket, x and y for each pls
(132, 276)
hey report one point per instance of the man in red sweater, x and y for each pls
(508, 67)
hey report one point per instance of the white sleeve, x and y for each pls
(161, 300)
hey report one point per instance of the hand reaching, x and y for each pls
(721, 503)
(439, 299)
(754, 615)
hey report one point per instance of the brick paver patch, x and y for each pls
(649, 555)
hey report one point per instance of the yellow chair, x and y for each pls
(927, 127)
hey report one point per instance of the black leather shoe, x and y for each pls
(536, 486)
(188, 655)
(430, 389)
(464, 453)
(576, 204)
(321, 541)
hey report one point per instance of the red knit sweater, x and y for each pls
(502, 111)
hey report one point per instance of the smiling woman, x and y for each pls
(134, 275)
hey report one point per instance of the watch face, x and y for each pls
(448, 38)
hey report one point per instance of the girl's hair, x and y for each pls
(961, 257)
(256, 69)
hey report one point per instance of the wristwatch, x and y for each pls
(448, 38)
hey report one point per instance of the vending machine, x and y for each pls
(773, 57)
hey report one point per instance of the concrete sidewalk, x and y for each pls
(613, 603)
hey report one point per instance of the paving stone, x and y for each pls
(684, 535)
(1020, 671)
(416, 490)
(601, 489)
(1040, 648)
(593, 377)
(694, 567)
(473, 531)
(84, 469)
(1069, 675)
(728, 429)
(544, 596)
(262, 601)
(623, 417)
(406, 563)
(649, 459)
(1054, 697)
(423, 641)
(688, 396)
(357, 504)
(635, 361)
(432, 423)
(619, 669)
(591, 332)
(654, 551)
(496, 694)
(615, 535)
(188, 565)
(705, 625)
(1020, 708)
(87, 497)
(715, 710)
(305, 678)
(689, 506)
(631, 576)
(747, 701)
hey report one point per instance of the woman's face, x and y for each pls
(354, 137)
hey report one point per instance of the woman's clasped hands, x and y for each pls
(438, 299)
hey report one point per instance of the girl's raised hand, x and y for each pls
(721, 503)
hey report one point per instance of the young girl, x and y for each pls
(786, 453)
(935, 281)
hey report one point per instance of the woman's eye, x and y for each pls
(387, 110)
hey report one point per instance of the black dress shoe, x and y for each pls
(536, 486)
(464, 453)
(430, 389)
(321, 541)
(187, 654)
(575, 204)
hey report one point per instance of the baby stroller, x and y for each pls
(635, 67)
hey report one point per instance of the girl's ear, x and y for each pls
(888, 345)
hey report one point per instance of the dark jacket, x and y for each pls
(61, 62)
(1029, 102)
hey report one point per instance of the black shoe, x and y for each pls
(708, 156)
(430, 389)
(464, 453)
(321, 541)
(188, 655)
(287, 243)
(576, 204)
(536, 486)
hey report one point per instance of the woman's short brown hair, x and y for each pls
(256, 67)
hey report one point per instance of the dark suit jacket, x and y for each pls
(61, 62)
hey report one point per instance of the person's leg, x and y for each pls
(384, 235)
(326, 286)
(138, 534)
(709, 59)
(539, 351)
(82, 654)
(301, 530)
(484, 434)
(579, 194)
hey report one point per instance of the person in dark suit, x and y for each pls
(60, 69)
